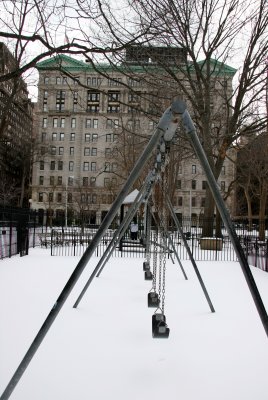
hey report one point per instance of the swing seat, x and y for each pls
(146, 266)
(156, 318)
(153, 299)
(148, 276)
(161, 331)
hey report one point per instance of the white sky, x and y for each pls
(104, 349)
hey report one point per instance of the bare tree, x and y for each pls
(211, 33)
(253, 177)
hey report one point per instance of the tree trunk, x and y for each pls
(263, 200)
(207, 230)
(249, 209)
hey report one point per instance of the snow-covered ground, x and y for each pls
(104, 349)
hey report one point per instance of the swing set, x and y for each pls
(154, 195)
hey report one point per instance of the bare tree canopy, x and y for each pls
(36, 29)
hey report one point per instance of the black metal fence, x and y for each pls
(21, 229)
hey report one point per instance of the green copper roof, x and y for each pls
(63, 62)
(70, 64)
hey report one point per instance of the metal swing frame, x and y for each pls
(165, 130)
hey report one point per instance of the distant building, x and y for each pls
(92, 126)
(16, 116)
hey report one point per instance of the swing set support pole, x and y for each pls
(110, 248)
(174, 216)
(166, 126)
(191, 132)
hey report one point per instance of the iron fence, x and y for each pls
(21, 229)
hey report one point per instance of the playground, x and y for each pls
(104, 348)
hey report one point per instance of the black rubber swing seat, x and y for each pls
(153, 299)
(146, 266)
(159, 327)
(148, 276)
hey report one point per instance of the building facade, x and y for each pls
(92, 124)
(16, 124)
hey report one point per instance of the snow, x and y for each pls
(104, 349)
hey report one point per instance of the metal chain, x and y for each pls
(165, 228)
(155, 260)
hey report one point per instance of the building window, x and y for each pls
(55, 122)
(60, 165)
(54, 136)
(92, 181)
(180, 201)
(108, 152)
(71, 165)
(94, 151)
(204, 185)
(112, 123)
(106, 182)
(41, 180)
(72, 137)
(60, 100)
(40, 197)
(107, 167)
(61, 136)
(108, 137)
(62, 122)
(46, 80)
(193, 169)
(114, 167)
(50, 197)
(93, 166)
(193, 201)
(70, 181)
(59, 198)
(95, 82)
(86, 166)
(113, 109)
(75, 100)
(51, 180)
(53, 150)
(71, 151)
(61, 151)
(73, 123)
(180, 169)
(93, 108)
(134, 82)
(52, 165)
(44, 136)
(203, 201)
(194, 184)
(44, 125)
(94, 198)
(94, 137)
(223, 170)
(42, 165)
(59, 180)
(58, 80)
(222, 186)
(87, 137)
(114, 82)
(70, 197)
(87, 151)
(178, 184)
(85, 181)
(93, 96)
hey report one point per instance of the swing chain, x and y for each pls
(155, 259)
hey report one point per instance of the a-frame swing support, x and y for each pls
(165, 129)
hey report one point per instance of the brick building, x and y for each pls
(92, 125)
